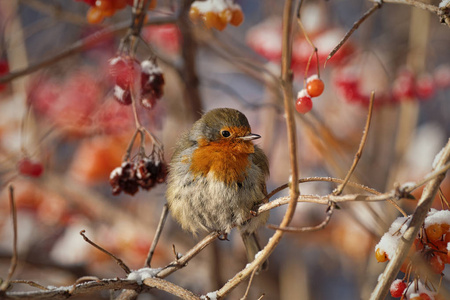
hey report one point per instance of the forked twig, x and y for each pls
(355, 26)
(13, 264)
(299, 21)
(358, 154)
(330, 210)
(118, 260)
(159, 229)
(30, 283)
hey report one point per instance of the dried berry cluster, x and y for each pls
(125, 71)
(144, 173)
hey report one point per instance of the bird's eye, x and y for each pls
(225, 133)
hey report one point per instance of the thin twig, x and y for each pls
(30, 283)
(249, 284)
(13, 264)
(309, 42)
(79, 46)
(330, 210)
(171, 288)
(358, 154)
(159, 229)
(118, 260)
(355, 26)
(415, 3)
(183, 260)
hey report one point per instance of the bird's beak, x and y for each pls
(250, 137)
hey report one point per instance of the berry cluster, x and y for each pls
(144, 173)
(100, 9)
(265, 39)
(30, 168)
(314, 88)
(216, 13)
(405, 87)
(125, 71)
(431, 245)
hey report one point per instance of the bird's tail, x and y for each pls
(252, 247)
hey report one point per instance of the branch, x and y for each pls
(169, 287)
(13, 265)
(79, 46)
(358, 154)
(159, 229)
(411, 232)
(355, 26)
(118, 260)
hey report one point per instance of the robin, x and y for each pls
(217, 176)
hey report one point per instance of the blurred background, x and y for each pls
(62, 122)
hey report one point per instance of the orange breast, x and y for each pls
(227, 160)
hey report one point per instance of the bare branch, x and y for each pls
(355, 26)
(171, 288)
(358, 154)
(159, 229)
(79, 46)
(322, 225)
(13, 264)
(118, 260)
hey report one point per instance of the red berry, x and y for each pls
(424, 296)
(4, 69)
(397, 288)
(303, 103)
(403, 87)
(123, 69)
(30, 168)
(425, 87)
(314, 86)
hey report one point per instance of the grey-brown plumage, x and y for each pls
(217, 176)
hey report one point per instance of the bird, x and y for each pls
(217, 176)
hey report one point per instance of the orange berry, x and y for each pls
(220, 24)
(434, 232)
(94, 15)
(238, 17)
(380, 255)
(424, 296)
(315, 87)
(437, 265)
(210, 19)
(120, 4)
(416, 298)
(226, 15)
(152, 5)
(194, 14)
